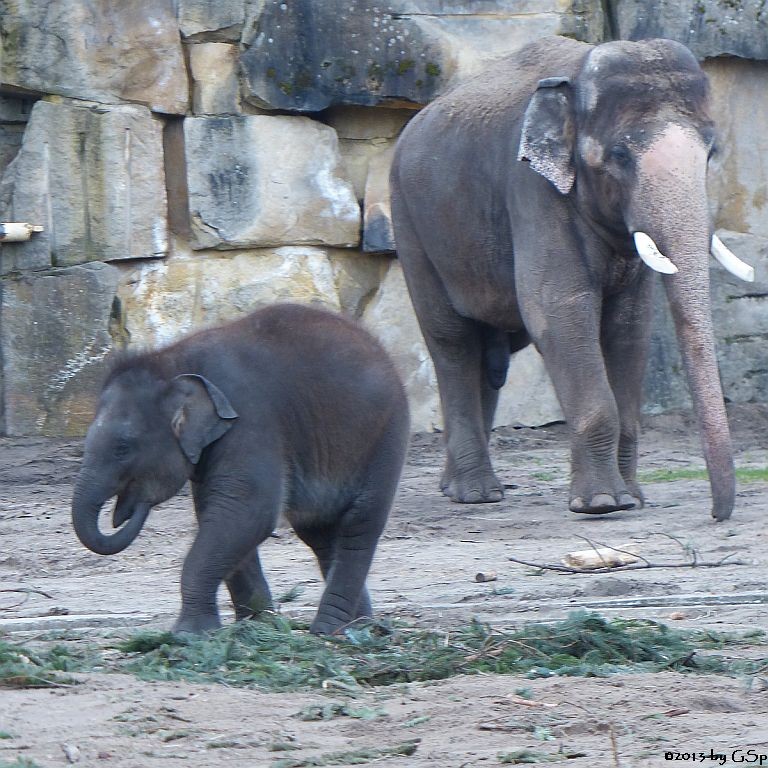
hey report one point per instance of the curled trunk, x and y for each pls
(86, 507)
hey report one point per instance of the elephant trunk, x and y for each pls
(688, 294)
(86, 506)
(670, 204)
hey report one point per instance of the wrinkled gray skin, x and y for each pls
(514, 201)
(290, 409)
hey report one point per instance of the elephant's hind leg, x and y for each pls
(248, 588)
(345, 549)
(468, 400)
(322, 541)
(469, 374)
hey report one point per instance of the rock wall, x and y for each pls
(189, 160)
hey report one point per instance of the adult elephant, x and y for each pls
(525, 202)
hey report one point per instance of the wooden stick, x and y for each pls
(633, 567)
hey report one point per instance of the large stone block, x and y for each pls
(739, 171)
(368, 53)
(364, 134)
(215, 84)
(378, 234)
(162, 300)
(257, 181)
(527, 399)
(740, 315)
(93, 178)
(54, 340)
(708, 27)
(213, 20)
(100, 50)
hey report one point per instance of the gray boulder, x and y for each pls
(99, 50)
(54, 342)
(709, 29)
(257, 181)
(305, 55)
(93, 178)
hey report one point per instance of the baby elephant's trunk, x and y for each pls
(86, 507)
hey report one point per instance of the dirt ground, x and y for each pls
(424, 573)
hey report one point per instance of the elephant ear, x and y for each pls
(201, 414)
(548, 133)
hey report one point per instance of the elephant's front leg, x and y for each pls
(567, 333)
(625, 340)
(234, 517)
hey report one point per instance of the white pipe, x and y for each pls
(15, 232)
(651, 255)
(731, 261)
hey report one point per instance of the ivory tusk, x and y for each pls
(651, 255)
(731, 261)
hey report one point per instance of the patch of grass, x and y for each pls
(744, 475)
(21, 667)
(20, 762)
(354, 757)
(335, 709)
(527, 757)
(272, 655)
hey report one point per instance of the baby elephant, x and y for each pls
(289, 409)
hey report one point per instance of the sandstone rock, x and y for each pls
(54, 341)
(215, 84)
(356, 158)
(14, 114)
(665, 387)
(259, 181)
(215, 20)
(391, 319)
(15, 110)
(163, 300)
(366, 123)
(364, 134)
(378, 234)
(366, 53)
(527, 399)
(740, 314)
(93, 178)
(708, 28)
(739, 170)
(101, 51)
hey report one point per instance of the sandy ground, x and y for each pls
(424, 573)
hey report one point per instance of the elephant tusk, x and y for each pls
(651, 255)
(731, 261)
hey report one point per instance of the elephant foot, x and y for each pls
(328, 626)
(196, 625)
(602, 503)
(480, 488)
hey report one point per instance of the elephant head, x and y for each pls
(147, 437)
(628, 138)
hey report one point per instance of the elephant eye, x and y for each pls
(621, 155)
(122, 449)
